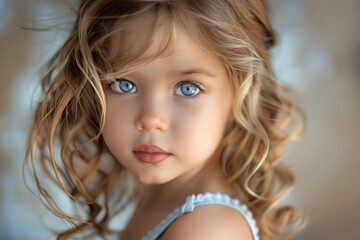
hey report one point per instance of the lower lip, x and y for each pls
(151, 158)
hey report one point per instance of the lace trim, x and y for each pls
(194, 201)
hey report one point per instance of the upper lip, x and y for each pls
(149, 149)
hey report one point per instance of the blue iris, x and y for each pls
(188, 90)
(123, 86)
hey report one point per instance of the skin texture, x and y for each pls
(189, 128)
(210, 223)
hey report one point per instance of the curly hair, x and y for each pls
(71, 112)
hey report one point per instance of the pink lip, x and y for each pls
(151, 154)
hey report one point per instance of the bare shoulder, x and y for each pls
(210, 222)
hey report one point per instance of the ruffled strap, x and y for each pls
(195, 201)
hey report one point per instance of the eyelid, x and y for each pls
(196, 83)
(116, 79)
(108, 82)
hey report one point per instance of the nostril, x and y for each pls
(152, 114)
(150, 123)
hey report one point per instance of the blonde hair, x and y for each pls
(71, 113)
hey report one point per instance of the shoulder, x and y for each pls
(210, 222)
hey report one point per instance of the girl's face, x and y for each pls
(165, 120)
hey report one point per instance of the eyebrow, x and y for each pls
(197, 71)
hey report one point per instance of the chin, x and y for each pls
(153, 180)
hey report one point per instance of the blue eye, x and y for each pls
(188, 89)
(123, 86)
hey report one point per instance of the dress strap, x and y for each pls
(195, 201)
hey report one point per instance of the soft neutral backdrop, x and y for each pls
(318, 55)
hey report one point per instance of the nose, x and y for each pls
(152, 115)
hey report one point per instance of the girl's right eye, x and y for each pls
(123, 86)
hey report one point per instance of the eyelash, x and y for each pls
(109, 83)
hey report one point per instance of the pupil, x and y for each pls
(126, 86)
(188, 89)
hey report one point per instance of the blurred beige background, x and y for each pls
(318, 54)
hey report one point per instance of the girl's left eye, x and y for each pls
(188, 89)
(123, 86)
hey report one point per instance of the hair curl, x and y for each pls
(71, 112)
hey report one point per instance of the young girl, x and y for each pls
(169, 106)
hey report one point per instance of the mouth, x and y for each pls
(150, 154)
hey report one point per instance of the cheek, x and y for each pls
(202, 127)
(117, 120)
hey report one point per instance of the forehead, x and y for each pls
(134, 37)
(152, 35)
